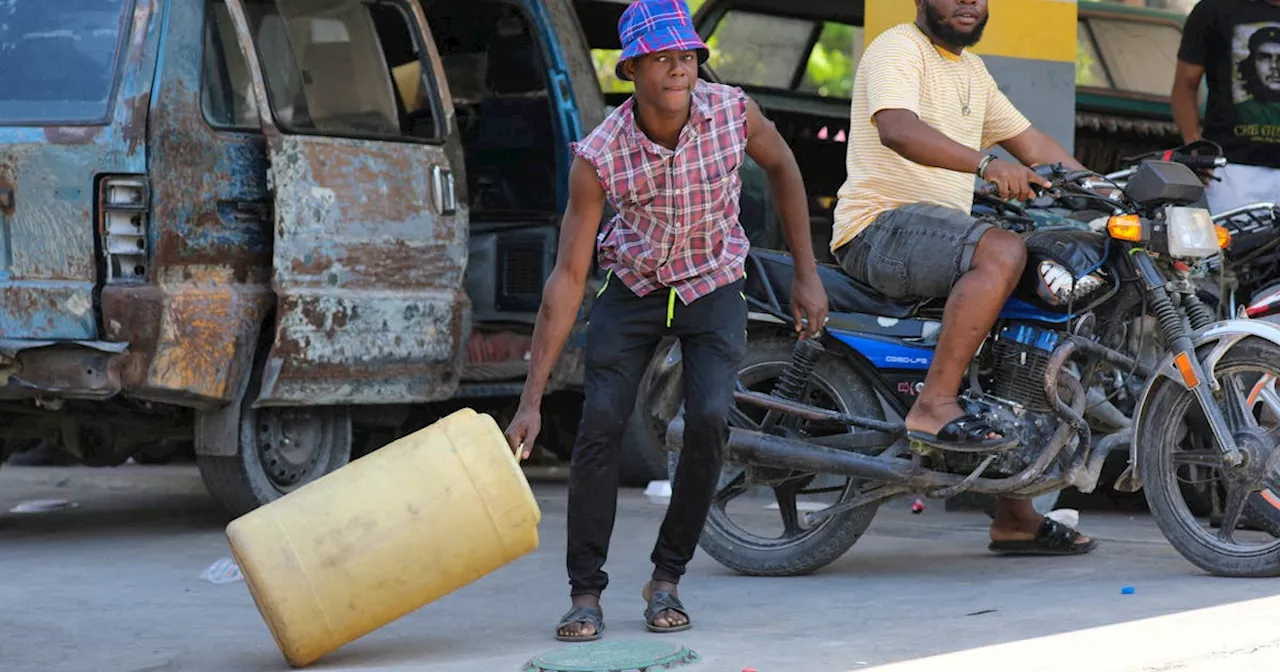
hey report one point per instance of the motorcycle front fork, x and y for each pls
(1186, 364)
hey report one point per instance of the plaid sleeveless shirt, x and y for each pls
(677, 211)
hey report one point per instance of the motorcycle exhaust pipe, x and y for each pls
(767, 450)
(1087, 479)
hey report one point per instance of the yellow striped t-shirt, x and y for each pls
(902, 69)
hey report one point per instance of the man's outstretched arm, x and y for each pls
(561, 299)
(766, 147)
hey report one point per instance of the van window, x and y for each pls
(344, 68)
(1089, 68)
(1141, 56)
(834, 59)
(768, 51)
(59, 59)
(226, 89)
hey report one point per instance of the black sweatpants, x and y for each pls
(622, 334)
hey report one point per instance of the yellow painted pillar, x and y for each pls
(1030, 48)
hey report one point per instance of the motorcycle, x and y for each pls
(823, 417)
(1245, 273)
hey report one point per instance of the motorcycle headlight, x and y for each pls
(1192, 234)
(1056, 286)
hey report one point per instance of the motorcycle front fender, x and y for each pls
(1220, 337)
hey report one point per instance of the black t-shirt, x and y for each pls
(1238, 43)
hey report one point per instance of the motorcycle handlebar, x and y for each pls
(1197, 162)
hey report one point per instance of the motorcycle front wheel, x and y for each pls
(1177, 444)
(756, 525)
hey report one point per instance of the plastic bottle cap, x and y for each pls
(1127, 590)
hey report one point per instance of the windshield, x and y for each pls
(784, 53)
(58, 58)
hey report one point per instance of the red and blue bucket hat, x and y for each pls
(652, 26)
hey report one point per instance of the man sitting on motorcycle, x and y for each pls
(923, 110)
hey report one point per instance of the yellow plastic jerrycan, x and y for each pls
(385, 535)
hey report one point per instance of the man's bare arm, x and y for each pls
(1034, 147)
(1186, 100)
(767, 148)
(562, 295)
(904, 132)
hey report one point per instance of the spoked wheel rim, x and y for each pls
(1251, 404)
(1264, 401)
(293, 444)
(744, 505)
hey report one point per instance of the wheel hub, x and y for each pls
(1260, 458)
(290, 443)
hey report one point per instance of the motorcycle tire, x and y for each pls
(824, 542)
(1165, 492)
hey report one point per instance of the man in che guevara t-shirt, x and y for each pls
(1235, 44)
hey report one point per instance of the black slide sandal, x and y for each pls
(659, 602)
(1053, 538)
(588, 615)
(966, 433)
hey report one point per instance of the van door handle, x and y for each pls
(442, 190)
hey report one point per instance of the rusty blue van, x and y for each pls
(267, 228)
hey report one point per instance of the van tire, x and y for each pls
(268, 464)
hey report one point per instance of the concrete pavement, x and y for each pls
(112, 585)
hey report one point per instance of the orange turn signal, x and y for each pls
(1125, 227)
(1224, 236)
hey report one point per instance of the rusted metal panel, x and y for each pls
(365, 348)
(47, 180)
(193, 328)
(366, 274)
(367, 266)
(192, 343)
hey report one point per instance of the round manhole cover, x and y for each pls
(613, 656)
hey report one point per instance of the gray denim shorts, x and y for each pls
(915, 252)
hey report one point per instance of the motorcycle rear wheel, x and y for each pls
(1227, 550)
(800, 549)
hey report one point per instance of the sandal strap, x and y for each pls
(1053, 534)
(968, 428)
(588, 615)
(661, 601)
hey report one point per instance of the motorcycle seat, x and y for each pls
(844, 294)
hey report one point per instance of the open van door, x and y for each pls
(370, 235)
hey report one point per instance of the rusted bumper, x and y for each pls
(192, 342)
(64, 369)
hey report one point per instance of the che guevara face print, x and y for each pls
(1255, 51)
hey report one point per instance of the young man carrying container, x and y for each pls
(667, 160)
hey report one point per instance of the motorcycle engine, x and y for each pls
(1019, 356)
(1013, 398)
